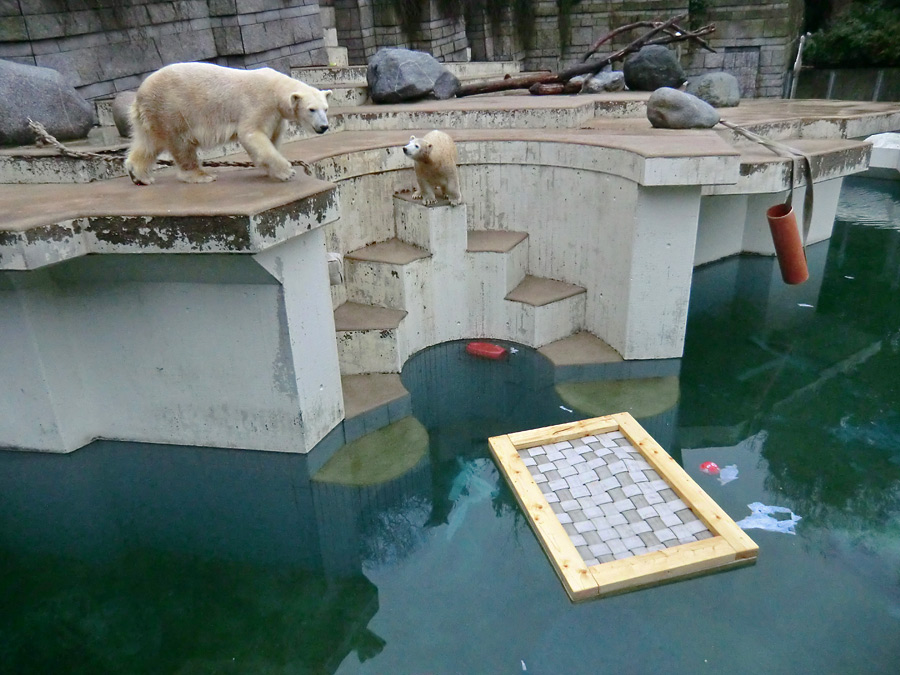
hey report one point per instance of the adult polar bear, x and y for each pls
(184, 107)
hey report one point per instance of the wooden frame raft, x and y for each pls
(567, 508)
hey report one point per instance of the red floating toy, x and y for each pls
(485, 350)
(710, 468)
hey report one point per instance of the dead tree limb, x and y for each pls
(675, 31)
(528, 81)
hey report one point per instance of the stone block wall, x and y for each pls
(106, 46)
(493, 43)
(756, 42)
(364, 26)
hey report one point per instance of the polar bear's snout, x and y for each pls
(319, 121)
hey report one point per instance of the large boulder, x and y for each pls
(396, 75)
(121, 112)
(43, 95)
(720, 90)
(653, 67)
(669, 108)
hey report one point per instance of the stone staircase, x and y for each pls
(435, 281)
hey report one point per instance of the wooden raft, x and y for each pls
(723, 545)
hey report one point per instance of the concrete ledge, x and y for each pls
(493, 241)
(242, 212)
(392, 251)
(353, 316)
(538, 292)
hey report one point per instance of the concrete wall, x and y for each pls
(207, 349)
(106, 46)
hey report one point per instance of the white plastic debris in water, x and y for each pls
(762, 518)
(803, 304)
(513, 350)
(568, 410)
(728, 474)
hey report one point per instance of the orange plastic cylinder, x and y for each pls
(788, 247)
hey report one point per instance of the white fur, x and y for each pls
(435, 163)
(184, 107)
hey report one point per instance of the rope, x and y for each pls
(44, 137)
(793, 154)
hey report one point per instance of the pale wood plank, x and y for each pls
(712, 515)
(563, 432)
(661, 566)
(569, 565)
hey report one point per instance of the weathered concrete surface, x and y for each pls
(241, 212)
(189, 350)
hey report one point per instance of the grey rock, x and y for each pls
(396, 75)
(651, 68)
(720, 90)
(121, 112)
(43, 95)
(608, 81)
(669, 108)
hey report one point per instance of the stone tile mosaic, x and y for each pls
(609, 500)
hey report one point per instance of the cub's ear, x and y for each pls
(427, 146)
(412, 138)
(296, 97)
(326, 92)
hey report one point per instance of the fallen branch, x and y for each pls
(593, 67)
(44, 137)
(675, 31)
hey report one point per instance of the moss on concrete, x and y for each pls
(642, 398)
(378, 456)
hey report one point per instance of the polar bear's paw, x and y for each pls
(196, 177)
(290, 174)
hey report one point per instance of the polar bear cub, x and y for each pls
(435, 164)
(184, 107)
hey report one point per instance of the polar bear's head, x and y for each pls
(417, 148)
(311, 107)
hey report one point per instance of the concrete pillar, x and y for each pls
(440, 230)
(645, 307)
(300, 267)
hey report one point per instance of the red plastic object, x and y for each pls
(710, 468)
(486, 350)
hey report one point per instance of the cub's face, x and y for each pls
(312, 109)
(417, 148)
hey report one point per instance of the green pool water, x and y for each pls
(129, 558)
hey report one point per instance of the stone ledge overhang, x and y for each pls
(763, 172)
(241, 212)
(654, 159)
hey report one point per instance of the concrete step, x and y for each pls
(348, 95)
(330, 37)
(337, 56)
(368, 338)
(325, 77)
(386, 274)
(373, 401)
(496, 262)
(471, 70)
(544, 310)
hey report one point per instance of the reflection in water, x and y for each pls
(130, 558)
